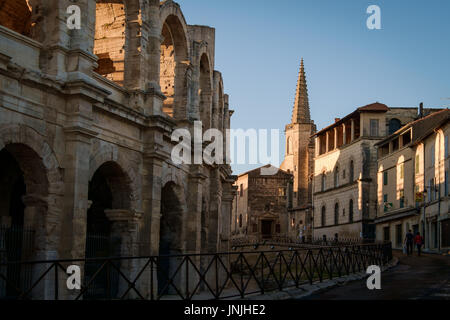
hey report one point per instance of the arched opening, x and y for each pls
(350, 211)
(23, 189)
(323, 216)
(336, 214)
(289, 146)
(336, 177)
(394, 125)
(205, 92)
(221, 125)
(352, 171)
(323, 183)
(109, 196)
(170, 235)
(21, 16)
(173, 66)
(109, 42)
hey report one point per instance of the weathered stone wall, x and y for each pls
(71, 121)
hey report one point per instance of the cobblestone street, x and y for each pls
(425, 277)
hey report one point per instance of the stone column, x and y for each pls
(344, 134)
(335, 138)
(35, 212)
(125, 224)
(327, 145)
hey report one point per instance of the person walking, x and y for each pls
(409, 242)
(419, 243)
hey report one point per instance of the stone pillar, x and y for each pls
(335, 138)
(327, 145)
(35, 219)
(344, 134)
(125, 226)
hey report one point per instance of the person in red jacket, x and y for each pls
(418, 240)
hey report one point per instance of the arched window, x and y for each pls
(324, 181)
(336, 177)
(16, 15)
(323, 217)
(394, 125)
(289, 146)
(336, 214)
(109, 42)
(352, 171)
(350, 211)
(240, 221)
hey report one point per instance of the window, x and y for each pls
(399, 235)
(374, 127)
(417, 164)
(293, 222)
(431, 190)
(336, 177)
(402, 171)
(336, 214)
(402, 198)
(394, 125)
(282, 192)
(241, 190)
(323, 216)
(385, 202)
(343, 174)
(387, 233)
(350, 211)
(352, 171)
(324, 181)
(385, 178)
(446, 183)
(240, 221)
(432, 156)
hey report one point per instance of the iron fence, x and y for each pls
(203, 276)
(16, 243)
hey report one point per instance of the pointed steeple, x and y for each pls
(301, 113)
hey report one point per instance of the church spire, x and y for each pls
(301, 112)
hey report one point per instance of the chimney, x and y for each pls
(337, 120)
(421, 110)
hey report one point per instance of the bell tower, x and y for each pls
(299, 155)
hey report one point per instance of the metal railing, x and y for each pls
(202, 276)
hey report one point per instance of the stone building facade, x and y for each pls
(86, 117)
(413, 185)
(299, 160)
(345, 170)
(260, 209)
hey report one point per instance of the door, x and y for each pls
(266, 229)
(445, 233)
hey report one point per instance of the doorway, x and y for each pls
(266, 229)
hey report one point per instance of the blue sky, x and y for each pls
(259, 45)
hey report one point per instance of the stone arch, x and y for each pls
(23, 16)
(205, 91)
(111, 39)
(174, 61)
(110, 153)
(218, 102)
(171, 237)
(40, 196)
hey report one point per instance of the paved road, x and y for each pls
(425, 277)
